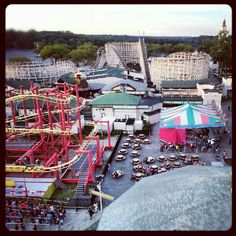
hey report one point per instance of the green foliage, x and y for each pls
(62, 194)
(116, 132)
(167, 48)
(206, 45)
(181, 47)
(147, 127)
(85, 52)
(19, 59)
(222, 51)
(56, 51)
(51, 189)
(86, 130)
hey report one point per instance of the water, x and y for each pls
(23, 53)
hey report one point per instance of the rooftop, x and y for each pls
(116, 99)
(138, 86)
(151, 100)
(187, 83)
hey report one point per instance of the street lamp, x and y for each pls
(99, 188)
(26, 190)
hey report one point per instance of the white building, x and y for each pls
(124, 106)
(179, 66)
(227, 86)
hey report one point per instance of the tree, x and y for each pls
(222, 51)
(206, 44)
(181, 47)
(19, 59)
(153, 48)
(85, 52)
(167, 48)
(56, 52)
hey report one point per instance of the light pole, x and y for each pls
(99, 188)
(26, 190)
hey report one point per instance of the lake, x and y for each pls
(23, 53)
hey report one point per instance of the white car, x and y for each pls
(126, 145)
(123, 151)
(120, 157)
(146, 141)
(136, 146)
(134, 153)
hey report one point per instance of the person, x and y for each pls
(95, 207)
(91, 212)
(148, 169)
(177, 147)
(35, 227)
(108, 166)
(16, 227)
(224, 154)
(230, 141)
(22, 226)
(77, 205)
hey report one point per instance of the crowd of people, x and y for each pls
(22, 212)
(198, 140)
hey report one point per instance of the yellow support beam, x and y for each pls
(103, 195)
(37, 131)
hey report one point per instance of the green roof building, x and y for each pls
(124, 106)
(116, 99)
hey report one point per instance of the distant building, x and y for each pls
(227, 86)
(125, 85)
(179, 66)
(223, 30)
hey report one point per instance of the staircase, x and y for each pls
(61, 185)
(82, 184)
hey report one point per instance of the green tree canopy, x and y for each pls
(181, 47)
(56, 52)
(19, 59)
(222, 51)
(85, 52)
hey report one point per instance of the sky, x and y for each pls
(148, 20)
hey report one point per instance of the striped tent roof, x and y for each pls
(190, 116)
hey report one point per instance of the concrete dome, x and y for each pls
(190, 198)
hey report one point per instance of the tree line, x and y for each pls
(80, 47)
(38, 39)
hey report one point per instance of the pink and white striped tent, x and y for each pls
(175, 120)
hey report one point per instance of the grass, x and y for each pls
(62, 194)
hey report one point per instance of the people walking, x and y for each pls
(35, 227)
(22, 225)
(16, 227)
(91, 212)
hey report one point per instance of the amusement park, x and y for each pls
(130, 134)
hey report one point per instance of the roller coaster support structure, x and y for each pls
(99, 153)
(108, 147)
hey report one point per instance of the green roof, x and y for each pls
(187, 83)
(68, 78)
(116, 99)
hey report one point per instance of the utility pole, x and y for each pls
(99, 188)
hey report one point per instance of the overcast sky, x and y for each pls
(152, 20)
